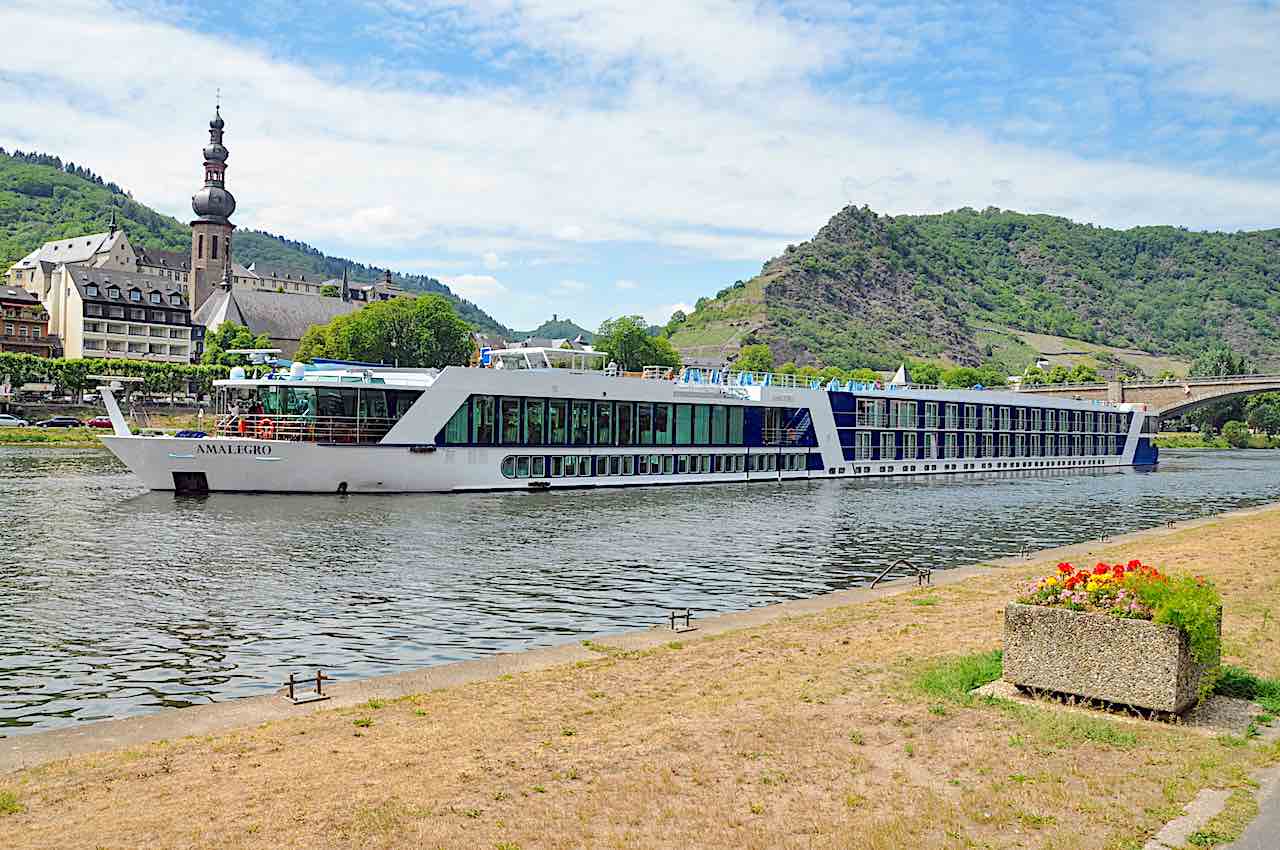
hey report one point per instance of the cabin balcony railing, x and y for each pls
(304, 428)
(872, 420)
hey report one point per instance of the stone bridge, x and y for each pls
(1166, 398)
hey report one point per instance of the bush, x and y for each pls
(1236, 434)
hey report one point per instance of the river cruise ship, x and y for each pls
(548, 419)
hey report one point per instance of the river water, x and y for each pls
(115, 601)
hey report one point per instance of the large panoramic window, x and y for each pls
(455, 432)
(735, 426)
(482, 420)
(580, 427)
(558, 422)
(534, 421)
(625, 424)
(604, 423)
(684, 424)
(663, 424)
(510, 421)
(719, 425)
(701, 425)
(644, 422)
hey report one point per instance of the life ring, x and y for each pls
(266, 429)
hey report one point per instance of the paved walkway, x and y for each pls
(1264, 832)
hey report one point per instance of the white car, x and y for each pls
(10, 421)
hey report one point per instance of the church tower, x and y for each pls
(211, 230)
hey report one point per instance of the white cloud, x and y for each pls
(1226, 48)
(570, 287)
(661, 314)
(626, 284)
(492, 261)
(474, 286)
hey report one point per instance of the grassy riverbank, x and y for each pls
(71, 438)
(850, 727)
(1196, 440)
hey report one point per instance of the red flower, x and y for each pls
(1066, 569)
(1100, 570)
(1134, 564)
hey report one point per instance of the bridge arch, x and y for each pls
(1195, 400)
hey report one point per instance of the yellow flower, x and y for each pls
(1051, 581)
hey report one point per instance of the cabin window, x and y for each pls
(625, 423)
(509, 467)
(663, 425)
(909, 446)
(539, 468)
(534, 413)
(557, 465)
(654, 467)
(336, 403)
(668, 464)
(735, 426)
(628, 464)
(510, 414)
(604, 423)
(644, 424)
(455, 431)
(988, 445)
(888, 449)
(559, 422)
(615, 465)
(580, 424)
(701, 425)
(684, 464)
(571, 466)
(970, 445)
(482, 421)
(1004, 445)
(522, 467)
(719, 425)
(684, 424)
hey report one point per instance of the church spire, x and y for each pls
(214, 202)
(346, 284)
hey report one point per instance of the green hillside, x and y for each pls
(556, 328)
(868, 290)
(43, 198)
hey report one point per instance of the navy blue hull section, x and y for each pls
(1146, 453)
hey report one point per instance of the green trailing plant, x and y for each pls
(1192, 604)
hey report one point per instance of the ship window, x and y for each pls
(584, 464)
(509, 467)
(580, 427)
(455, 432)
(719, 425)
(628, 464)
(539, 468)
(701, 424)
(533, 421)
(642, 464)
(684, 424)
(338, 403)
(615, 465)
(644, 424)
(663, 424)
(625, 423)
(570, 466)
(522, 467)
(300, 401)
(739, 463)
(909, 446)
(557, 466)
(482, 431)
(373, 404)
(668, 464)
(735, 426)
(604, 423)
(559, 420)
(510, 408)
(684, 464)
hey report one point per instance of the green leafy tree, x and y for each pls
(967, 376)
(925, 374)
(1034, 376)
(331, 290)
(421, 332)
(1057, 374)
(1236, 434)
(1262, 413)
(226, 337)
(1214, 362)
(754, 358)
(627, 341)
(1083, 374)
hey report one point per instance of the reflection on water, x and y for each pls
(116, 601)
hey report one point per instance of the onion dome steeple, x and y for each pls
(214, 203)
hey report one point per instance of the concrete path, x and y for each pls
(1264, 832)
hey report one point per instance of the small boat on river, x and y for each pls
(551, 419)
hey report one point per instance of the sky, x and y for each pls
(594, 159)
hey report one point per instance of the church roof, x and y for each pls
(180, 260)
(283, 316)
(77, 250)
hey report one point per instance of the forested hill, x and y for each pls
(869, 289)
(44, 198)
(557, 328)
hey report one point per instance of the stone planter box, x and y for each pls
(1128, 662)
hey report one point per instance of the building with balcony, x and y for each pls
(102, 312)
(24, 324)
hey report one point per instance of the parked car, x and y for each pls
(99, 422)
(60, 422)
(8, 420)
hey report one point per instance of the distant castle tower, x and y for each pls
(211, 231)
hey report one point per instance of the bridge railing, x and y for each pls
(1168, 382)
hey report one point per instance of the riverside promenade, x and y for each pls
(839, 721)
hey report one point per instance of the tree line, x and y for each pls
(71, 375)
